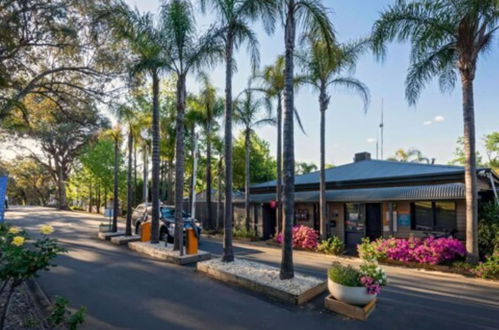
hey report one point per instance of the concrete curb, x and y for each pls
(41, 300)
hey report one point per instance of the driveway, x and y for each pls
(124, 290)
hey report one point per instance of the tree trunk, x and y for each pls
(145, 189)
(279, 164)
(323, 102)
(470, 177)
(209, 218)
(61, 188)
(128, 228)
(191, 180)
(179, 165)
(134, 174)
(247, 145)
(155, 160)
(90, 197)
(287, 270)
(219, 203)
(98, 198)
(228, 252)
(115, 185)
(170, 182)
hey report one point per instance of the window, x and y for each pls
(438, 216)
(354, 217)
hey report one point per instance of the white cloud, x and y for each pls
(439, 118)
(427, 123)
(371, 140)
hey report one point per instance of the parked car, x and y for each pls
(142, 213)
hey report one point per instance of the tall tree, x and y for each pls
(447, 38)
(115, 136)
(247, 109)
(325, 66)
(314, 19)
(145, 41)
(211, 108)
(185, 52)
(234, 18)
(410, 155)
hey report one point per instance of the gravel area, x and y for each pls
(266, 275)
(22, 312)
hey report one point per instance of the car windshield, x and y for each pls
(168, 212)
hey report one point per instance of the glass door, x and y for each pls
(355, 220)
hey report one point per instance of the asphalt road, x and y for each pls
(124, 290)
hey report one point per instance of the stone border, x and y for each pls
(124, 240)
(233, 279)
(159, 251)
(106, 236)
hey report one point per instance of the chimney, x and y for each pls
(360, 156)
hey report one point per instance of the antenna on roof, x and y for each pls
(381, 126)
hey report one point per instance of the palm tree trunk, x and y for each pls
(170, 182)
(145, 176)
(219, 203)
(287, 270)
(279, 164)
(179, 165)
(155, 160)
(228, 252)
(128, 230)
(115, 185)
(209, 218)
(247, 178)
(191, 180)
(470, 177)
(323, 101)
(134, 174)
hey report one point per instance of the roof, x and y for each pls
(450, 191)
(368, 170)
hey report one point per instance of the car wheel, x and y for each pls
(163, 234)
(137, 228)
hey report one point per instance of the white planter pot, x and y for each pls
(353, 295)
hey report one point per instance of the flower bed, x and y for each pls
(304, 237)
(430, 250)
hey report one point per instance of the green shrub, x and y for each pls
(344, 275)
(244, 233)
(333, 245)
(489, 268)
(369, 250)
(488, 229)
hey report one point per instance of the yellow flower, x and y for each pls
(14, 230)
(18, 241)
(47, 230)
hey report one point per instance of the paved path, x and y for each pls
(123, 290)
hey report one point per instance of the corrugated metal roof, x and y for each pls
(426, 192)
(371, 169)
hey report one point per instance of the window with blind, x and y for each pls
(435, 216)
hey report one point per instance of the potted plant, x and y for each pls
(356, 286)
(104, 227)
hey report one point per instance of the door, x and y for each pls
(354, 224)
(269, 221)
(373, 221)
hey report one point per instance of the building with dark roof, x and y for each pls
(374, 198)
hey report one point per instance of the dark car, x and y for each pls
(142, 213)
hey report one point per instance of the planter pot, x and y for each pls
(353, 295)
(104, 228)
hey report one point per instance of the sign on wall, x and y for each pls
(3, 191)
(404, 219)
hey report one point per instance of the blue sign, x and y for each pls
(404, 220)
(3, 191)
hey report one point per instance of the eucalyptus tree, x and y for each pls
(235, 17)
(211, 109)
(327, 66)
(312, 17)
(247, 109)
(447, 39)
(145, 40)
(185, 52)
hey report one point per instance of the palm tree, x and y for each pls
(235, 17)
(115, 136)
(211, 108)
(324, 67)
(271, 80)
(410, 155)
(313, 18)
(447, 37)
(247, 112)
(145, 41)
(185, 52)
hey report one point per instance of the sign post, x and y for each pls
(3, 192)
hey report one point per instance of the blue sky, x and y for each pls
(433, 126)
